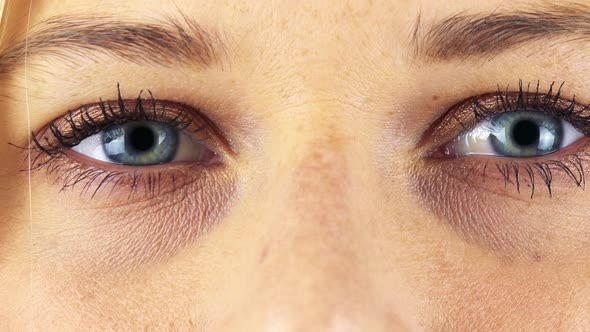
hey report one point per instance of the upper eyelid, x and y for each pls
(74, 126)
(462, 115)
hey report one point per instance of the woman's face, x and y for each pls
(295, 165)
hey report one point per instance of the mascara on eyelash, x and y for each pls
(526, 100)
(49, 146)
(521, 172)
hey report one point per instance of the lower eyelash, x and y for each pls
(49, 147)
(544, 171)
(92, 180)
(533, 175)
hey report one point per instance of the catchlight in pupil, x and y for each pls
(520, 134)
(141, 138)
(141, 143)
(526, 133)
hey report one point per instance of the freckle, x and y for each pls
(537, 256)
(435, 97)
(263, 254)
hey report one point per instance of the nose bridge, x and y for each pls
(319, 184)
(314, 270)
(311, 258)
(315, 259)
(316, 210)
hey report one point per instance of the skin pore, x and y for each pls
(325, 211)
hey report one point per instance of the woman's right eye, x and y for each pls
(128, 138)
(143, 143)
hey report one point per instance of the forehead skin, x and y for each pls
(325, 101)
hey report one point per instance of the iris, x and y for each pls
(141, 143)
(525, 134)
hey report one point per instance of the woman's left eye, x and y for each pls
(518, 134)
(143, 143)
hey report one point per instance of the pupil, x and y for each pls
(526, 133)
(141, 139)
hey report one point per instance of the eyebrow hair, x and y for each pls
(164, 42)
(464, 36)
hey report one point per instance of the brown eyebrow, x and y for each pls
(164, 42)
(465, 36)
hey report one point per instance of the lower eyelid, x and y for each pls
(526, 179)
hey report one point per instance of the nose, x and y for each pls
(315, 270)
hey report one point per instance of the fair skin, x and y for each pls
(325, 210)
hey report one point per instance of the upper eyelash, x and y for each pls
(525, 99)
(550, 102)
(49, 145)
(80, 126)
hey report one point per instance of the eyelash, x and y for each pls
(49, 147)
(521, 173)
(49, 153)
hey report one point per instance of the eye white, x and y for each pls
(477, 142)
(188, 148)
(92, 147)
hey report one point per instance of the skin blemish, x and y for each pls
(263, 254)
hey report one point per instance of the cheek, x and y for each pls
(493, 295)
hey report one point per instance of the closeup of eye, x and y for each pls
(520, 134)
(524, 138)
(143, 143)
(514, 124)
(129, 143)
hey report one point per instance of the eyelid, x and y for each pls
(52, 146)
(70, 129)
(468, 113)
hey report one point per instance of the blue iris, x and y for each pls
(141, 143)
(526, 134)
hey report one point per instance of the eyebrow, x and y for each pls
(464, 36)
(163, 42)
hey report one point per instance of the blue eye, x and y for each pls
(142, 143)
(522, 134)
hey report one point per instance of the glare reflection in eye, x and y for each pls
(143, 143)
(521, 134)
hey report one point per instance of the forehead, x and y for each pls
(315, 44)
